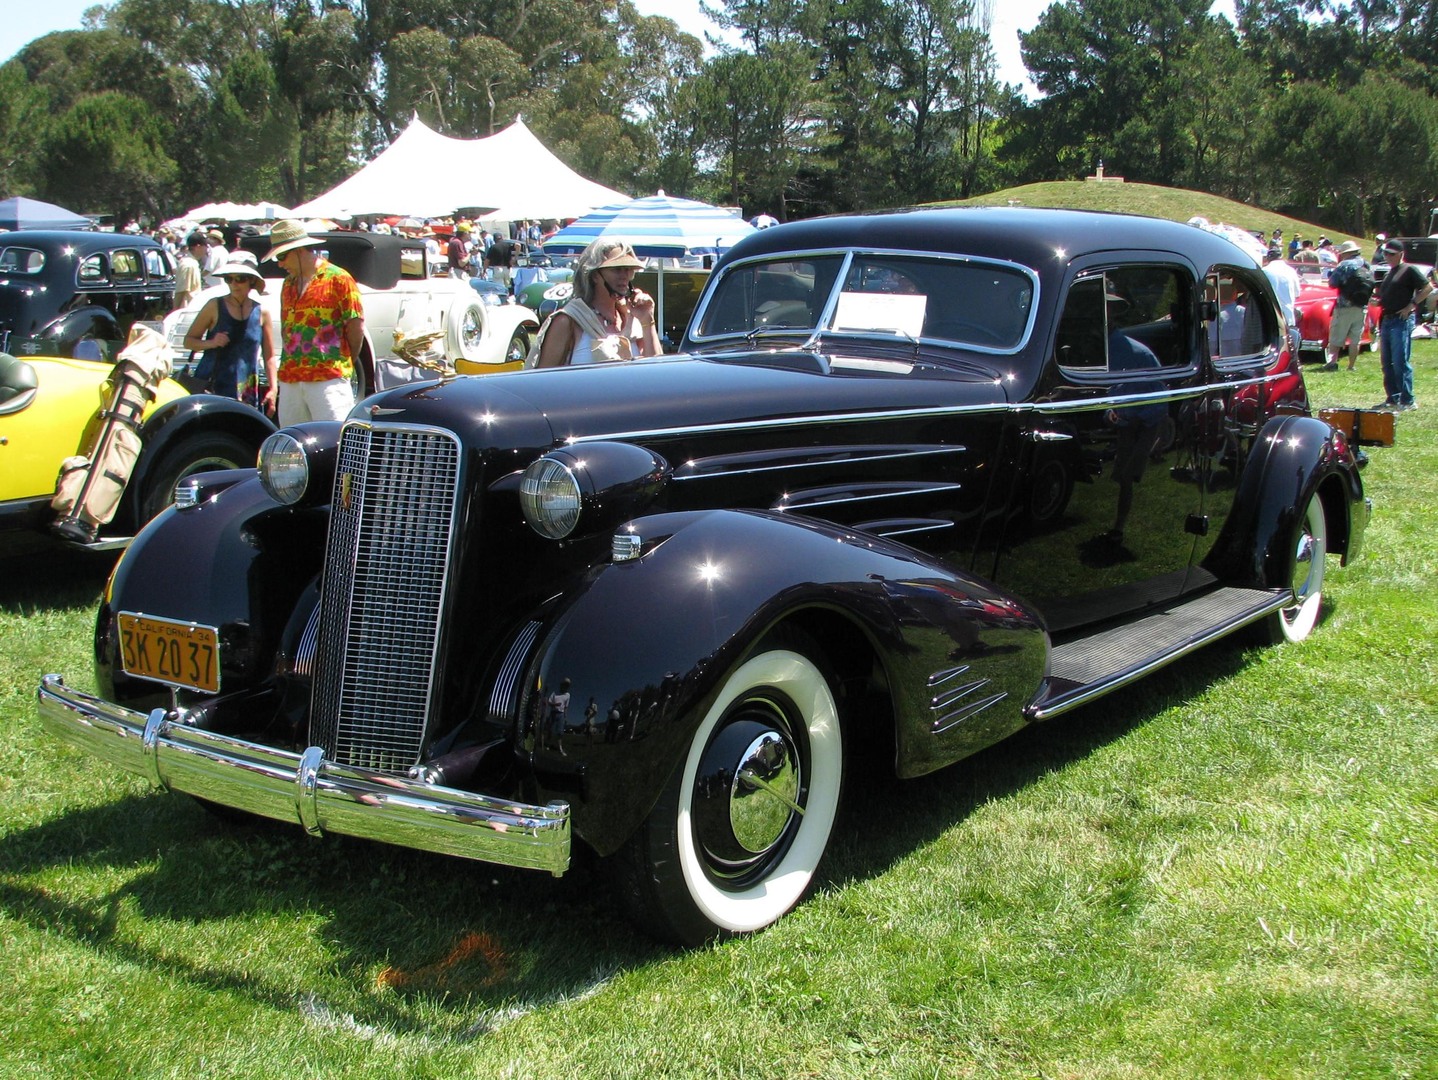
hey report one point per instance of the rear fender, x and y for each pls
(645, 645)
(1294, 458)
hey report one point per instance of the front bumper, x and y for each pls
(320, 795)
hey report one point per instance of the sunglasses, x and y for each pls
(239, 279)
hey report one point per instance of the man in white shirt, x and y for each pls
(1285, 287)
(216, 255)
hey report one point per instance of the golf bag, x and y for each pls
(89, 487)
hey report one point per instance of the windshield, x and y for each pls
(965, 302)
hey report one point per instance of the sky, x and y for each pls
(24, 21)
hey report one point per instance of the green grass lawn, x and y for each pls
(1225, 871)
(1176, 204)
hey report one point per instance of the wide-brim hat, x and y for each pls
(239, 266)
(215, 234)
(288, 235)
(621, 259)
(1348, 247)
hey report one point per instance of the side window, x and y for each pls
(91, 271)
(125, 267)
(1240, 321)
(1124, 318)
(156, 266)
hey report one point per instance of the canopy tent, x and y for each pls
(428, 174)
(19, 212)
(230, 211)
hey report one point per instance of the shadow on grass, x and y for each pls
(893, 818)
(414, 936)
(53, 578)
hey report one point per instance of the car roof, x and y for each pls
(1027, 235)
(82, 240)
(374, 259)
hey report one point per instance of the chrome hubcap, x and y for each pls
(766, 793)
(749, 793)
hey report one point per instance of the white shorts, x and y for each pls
(301, 401)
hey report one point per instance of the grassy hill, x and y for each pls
(1176, 204)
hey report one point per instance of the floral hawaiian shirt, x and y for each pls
(313, 346)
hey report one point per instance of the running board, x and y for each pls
(1088, 667)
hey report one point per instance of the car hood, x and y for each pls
(678, 394)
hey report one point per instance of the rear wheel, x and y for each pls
(1307, 560)
(737, 835)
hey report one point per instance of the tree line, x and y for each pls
(1323, 109)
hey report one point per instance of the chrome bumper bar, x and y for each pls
(320, 795)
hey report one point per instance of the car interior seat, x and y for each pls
(18, 384)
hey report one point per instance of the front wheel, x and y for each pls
(739, 830)
(1307, 564)
(198, 453)
(518, 350)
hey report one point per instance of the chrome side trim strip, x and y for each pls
(848, 456)
(798, 503)
(305, 789)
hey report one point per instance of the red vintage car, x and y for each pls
(1315, 308)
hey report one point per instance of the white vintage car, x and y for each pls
(461, 327)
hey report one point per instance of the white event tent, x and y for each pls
(426, 174)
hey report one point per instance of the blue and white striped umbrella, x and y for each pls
(658, 227)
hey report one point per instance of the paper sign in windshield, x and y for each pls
(881, 311)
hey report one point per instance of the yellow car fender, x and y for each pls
(57, 423)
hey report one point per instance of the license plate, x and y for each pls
(174, 653)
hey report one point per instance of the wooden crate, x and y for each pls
(1366, 427)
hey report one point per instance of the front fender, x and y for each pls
(269, 554)
(1294, 459)
(645, 646)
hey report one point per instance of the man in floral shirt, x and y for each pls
(321, 331)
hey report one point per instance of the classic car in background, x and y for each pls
(49, 411)
(75, 293)
(479, 330)
(1314, 308)
(922, 479)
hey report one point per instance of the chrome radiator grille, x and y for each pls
(386, 568)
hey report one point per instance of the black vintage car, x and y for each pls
(67, 293)
(921, 479)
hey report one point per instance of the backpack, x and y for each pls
(1357, 286)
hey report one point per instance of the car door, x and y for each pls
(1102, 523)
(1252, 378)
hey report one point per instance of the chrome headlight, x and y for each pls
(590, 488)
(550, 497)
(284, 468)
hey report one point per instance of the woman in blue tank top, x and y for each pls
(236, 333)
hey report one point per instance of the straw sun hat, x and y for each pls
(288, 235)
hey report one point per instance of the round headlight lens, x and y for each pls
(550, 497)
(284, 469)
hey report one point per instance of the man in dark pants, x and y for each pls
(1399, 294)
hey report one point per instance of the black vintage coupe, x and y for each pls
(69, 293)
(918, 479)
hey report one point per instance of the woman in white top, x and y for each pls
(607, 318)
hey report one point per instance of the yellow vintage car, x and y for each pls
(50, 410)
